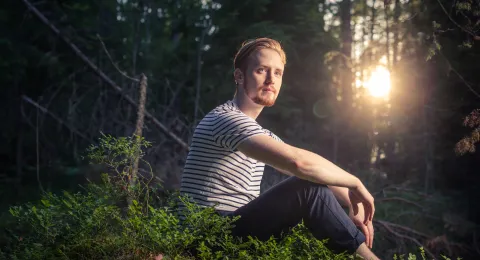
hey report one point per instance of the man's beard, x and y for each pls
(259, 98)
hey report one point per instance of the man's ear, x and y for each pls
(238, 75)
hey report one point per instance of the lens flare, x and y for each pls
(379, 83)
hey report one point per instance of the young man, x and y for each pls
(228, 153)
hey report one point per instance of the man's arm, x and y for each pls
(305, 165)
(301, 163)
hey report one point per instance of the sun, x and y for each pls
(379, 83)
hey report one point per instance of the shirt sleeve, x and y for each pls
(231, 129)
(274, 136)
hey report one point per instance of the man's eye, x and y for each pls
(278, 73)
(261, 70)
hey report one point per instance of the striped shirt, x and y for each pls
(216, 173)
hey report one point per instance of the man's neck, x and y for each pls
(247, 106)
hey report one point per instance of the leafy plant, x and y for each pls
(96, 224)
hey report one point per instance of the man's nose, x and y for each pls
(270, 78)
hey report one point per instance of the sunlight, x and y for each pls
(379, 82)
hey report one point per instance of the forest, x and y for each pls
(388, 90)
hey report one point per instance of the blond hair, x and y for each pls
(250, 46)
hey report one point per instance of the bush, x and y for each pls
(117, 220)
(91, 225)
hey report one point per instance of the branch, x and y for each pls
(414, 240)
(102, 75)
(44, 110)
(113, 63)
(404, 228)
(475, 37)
(139, 125)
(400, 199)
(459, 75)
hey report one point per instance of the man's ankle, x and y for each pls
(366, 253)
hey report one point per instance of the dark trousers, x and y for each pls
(283, 206)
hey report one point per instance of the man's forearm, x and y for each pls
(315, 168)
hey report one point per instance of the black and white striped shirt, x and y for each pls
(216, 173)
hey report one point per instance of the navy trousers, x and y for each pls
(283, 206)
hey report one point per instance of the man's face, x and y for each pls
(263, 77)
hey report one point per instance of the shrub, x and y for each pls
(115, 220)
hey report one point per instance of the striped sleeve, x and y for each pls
(274, 136)
(231, 129)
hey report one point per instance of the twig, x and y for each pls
(400, 199)
(44, 110)
(113, 63)
(413, 231)
(414, 240)
(101, 74)
(476, 37)
(459, 75)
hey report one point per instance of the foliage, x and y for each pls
(414, 131)
(91, 226)
(467, 144)
(96, 224)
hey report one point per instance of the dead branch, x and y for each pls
(475, 37)
(399, 199)
(404, 228)
(44, 110)
(101, 74)
(113, 63)
(139, 124)
(414, 240)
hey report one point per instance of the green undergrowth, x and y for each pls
(93, 225)
(123, 219)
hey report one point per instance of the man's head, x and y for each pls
(259, 66)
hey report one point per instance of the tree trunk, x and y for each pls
(346, 82)
(199, 77)
(387, 36)
(396, 36)
(372, 30)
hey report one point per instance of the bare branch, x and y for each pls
(139, 124)
(113, 63)
(404, 228)
(458, 25)
(101, 74)
(459, 75)
(44, 110)
(414, 240)
(399, 199)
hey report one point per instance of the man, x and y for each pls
(228, 153)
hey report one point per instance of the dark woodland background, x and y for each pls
(414, 149)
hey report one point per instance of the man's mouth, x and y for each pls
(268, 90)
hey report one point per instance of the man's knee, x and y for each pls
(312, 190)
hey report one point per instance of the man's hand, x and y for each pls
(361, 195)
(358, 219)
